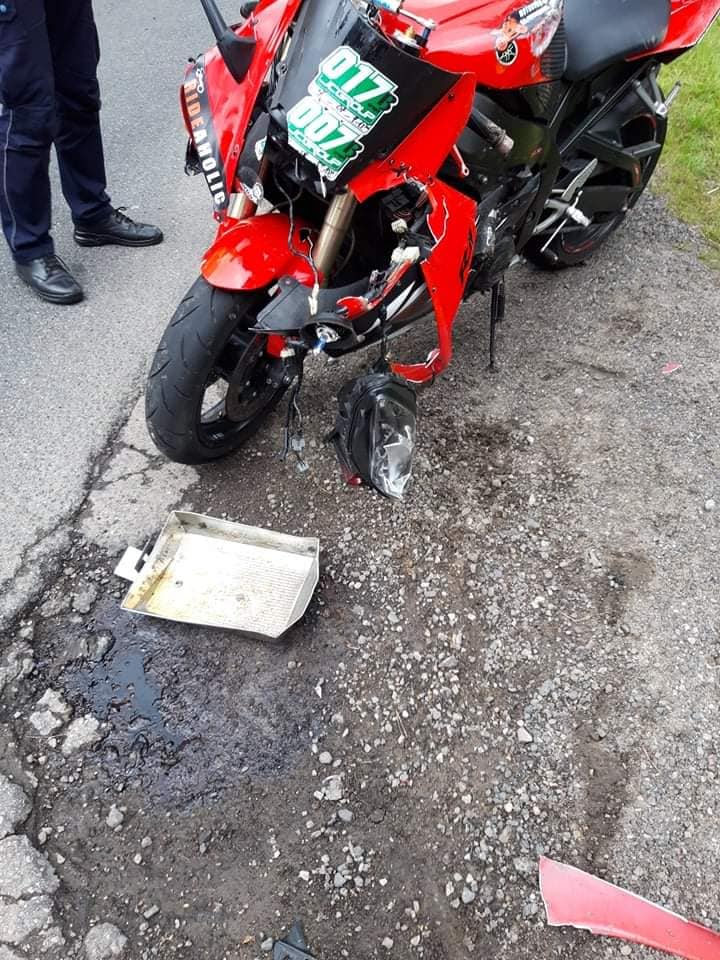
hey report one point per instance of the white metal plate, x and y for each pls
(216, 573)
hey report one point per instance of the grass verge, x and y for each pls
(689, 173)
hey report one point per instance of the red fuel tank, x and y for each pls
(505, 44)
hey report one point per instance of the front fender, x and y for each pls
(254, 253)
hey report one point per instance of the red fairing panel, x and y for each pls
(452, 217)
(575, 898)
(251, 254)
(231, 103)
(489, 40)
(452, 223)
(689, 20)
(421, 155)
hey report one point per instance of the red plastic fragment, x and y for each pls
(350, 478)
(671, 368)
(575, 898)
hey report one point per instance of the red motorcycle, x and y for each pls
(372, 162)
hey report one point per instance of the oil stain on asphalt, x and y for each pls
(184, 734)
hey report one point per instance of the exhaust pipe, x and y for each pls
(237, 52)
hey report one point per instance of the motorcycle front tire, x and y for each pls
(205, 343)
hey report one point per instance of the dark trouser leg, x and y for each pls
(76, 53)
(27, 121)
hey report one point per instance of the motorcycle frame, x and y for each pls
(245, 256)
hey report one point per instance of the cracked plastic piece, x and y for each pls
(577, 899)
(294, 946)
(375, 431)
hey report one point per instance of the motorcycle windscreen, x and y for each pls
(348, 94)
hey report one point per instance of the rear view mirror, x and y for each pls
(237, 52)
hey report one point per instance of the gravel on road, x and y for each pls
(520, 659)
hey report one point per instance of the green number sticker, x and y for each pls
(322, 137)
(355, 85)
(345, 100)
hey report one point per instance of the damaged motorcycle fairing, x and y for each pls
(231, 114)
(346, 317)
(421, 277)
(413, 286)
(250, 254)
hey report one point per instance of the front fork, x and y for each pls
(334, 230)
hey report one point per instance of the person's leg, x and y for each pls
(27, 127)
(75, 54)
(27, 120)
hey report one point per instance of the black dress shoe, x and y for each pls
(119, 230)
(50, 279)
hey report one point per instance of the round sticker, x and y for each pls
(509, 55)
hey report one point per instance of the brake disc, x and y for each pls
(248, 382)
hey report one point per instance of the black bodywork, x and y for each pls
(603, 32)
(549, 123)
(324, 25)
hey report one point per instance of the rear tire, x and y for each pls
(576, 245)
(207, 343)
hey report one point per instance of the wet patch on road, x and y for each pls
(190, 712)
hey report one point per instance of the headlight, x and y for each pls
(375, 431)
(392, 446)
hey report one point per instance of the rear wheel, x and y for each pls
(605, 197)
(212, 382)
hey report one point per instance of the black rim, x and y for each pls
(608, 186)
(243, 381)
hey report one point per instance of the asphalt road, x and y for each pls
(68, 374)
(520, 659)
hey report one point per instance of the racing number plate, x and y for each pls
(345, 100)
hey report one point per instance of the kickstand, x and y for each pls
(497, 315)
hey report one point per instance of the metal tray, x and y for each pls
(221, 574)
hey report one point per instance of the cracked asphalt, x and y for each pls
(523, 658)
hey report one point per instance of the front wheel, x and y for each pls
(212, 383)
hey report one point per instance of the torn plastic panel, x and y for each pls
(360, 313)
(578, 899)
(422, 276)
